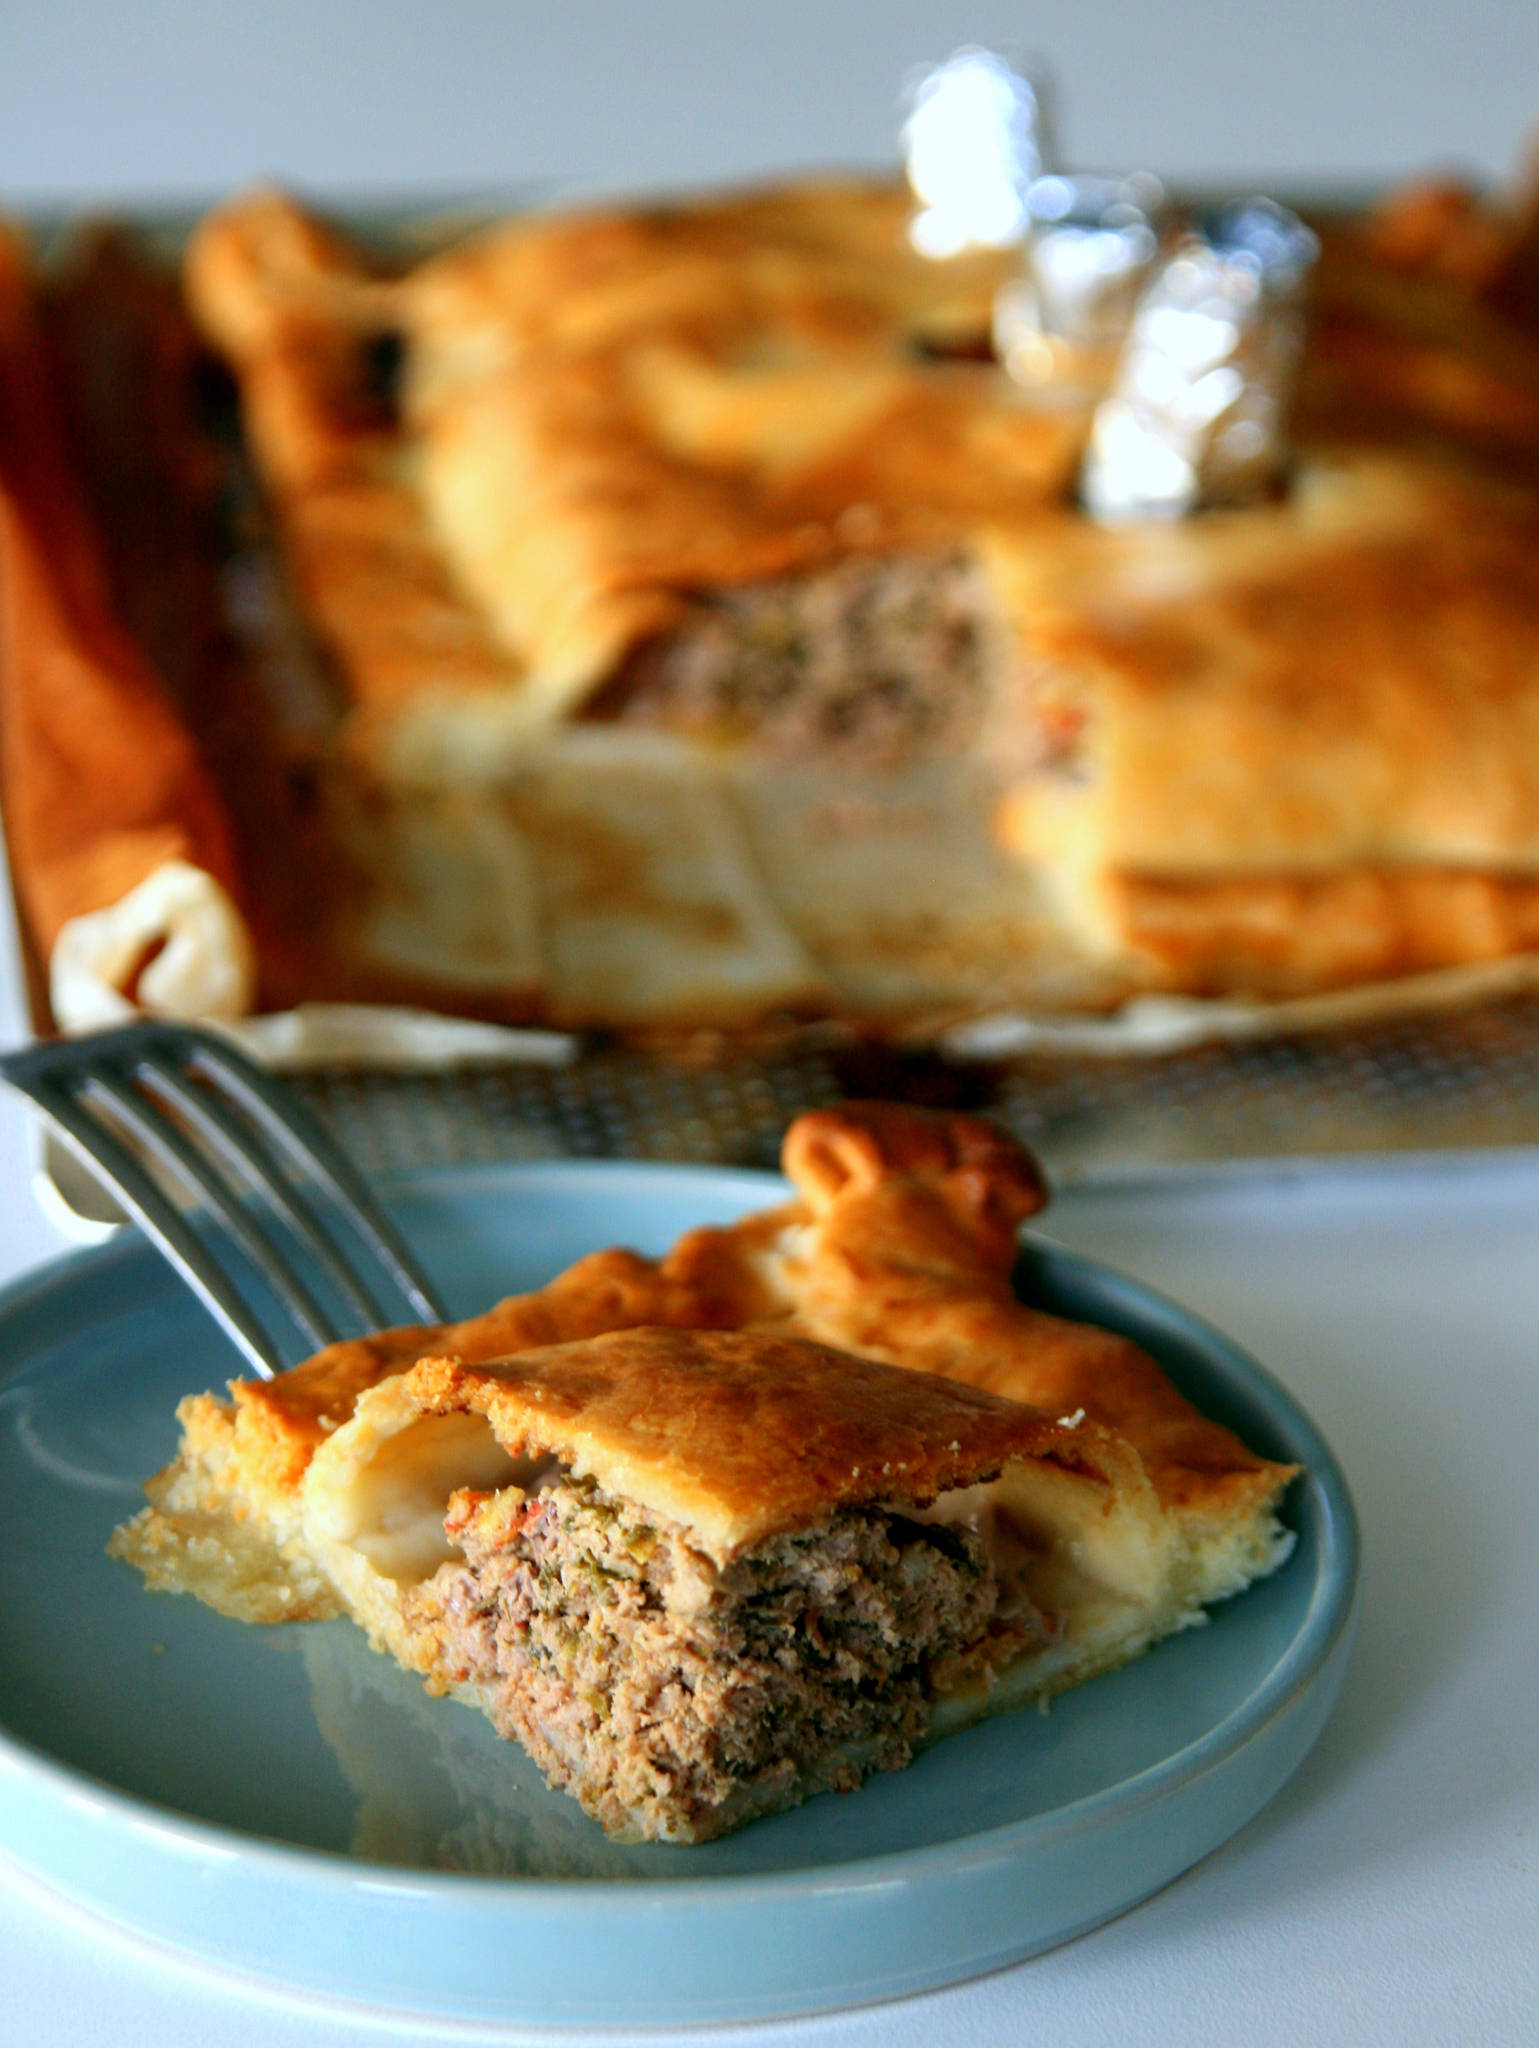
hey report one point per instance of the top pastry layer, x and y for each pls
(616, 410)
(899, 1247)
(1348, 676)
(735, 1436)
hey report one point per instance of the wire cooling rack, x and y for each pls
(1463, 1079)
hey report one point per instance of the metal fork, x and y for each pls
(215, 1129)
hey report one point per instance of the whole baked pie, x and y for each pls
(708, 606)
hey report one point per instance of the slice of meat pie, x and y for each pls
(700, 1575)
(712, 1532)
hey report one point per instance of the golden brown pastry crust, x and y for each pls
(900, 1249)
(607, 412)
(304, 318)
(617, 409)
(707, 1281)
(1302, 741)
(294, 305)
(1281, 935)
(740, 1435)
(906, 1256)
(1347, 678)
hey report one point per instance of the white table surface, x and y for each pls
(1389, 1895)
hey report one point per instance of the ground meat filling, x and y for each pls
(653, 1685)
(869, 662)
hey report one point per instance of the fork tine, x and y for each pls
(199, 1108)
(244, 1147)
(283, 1117)
(165, 1143)
(161, 1221)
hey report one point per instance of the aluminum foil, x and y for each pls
(976, 138)
(1090, 245)
(1197, 414)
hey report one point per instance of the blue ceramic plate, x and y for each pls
(284, 1801)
